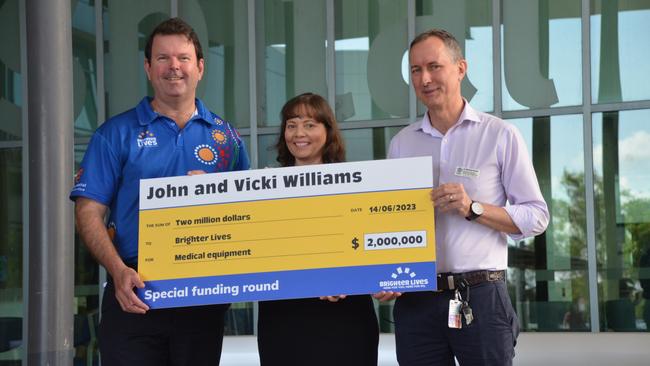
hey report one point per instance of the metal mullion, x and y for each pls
(496, 58)
(25, 176)
(11, 144)
(253, 107)
(592, 269)
(410, 21)
(357, 125)
(101, 110)
(330, 53)
(620, 106)
(542, 112)
(173, 8)
(397, 122)
(252, 83)
(82, 140)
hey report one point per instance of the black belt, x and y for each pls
(452, 281)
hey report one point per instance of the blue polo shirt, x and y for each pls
(140, 144)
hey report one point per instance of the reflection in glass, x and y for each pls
(127, 24)
(84, 67)
(267, 152)
(547, 275)
(86, 292)
(368, 143)
(11, 254)
(622, 204)
(10, 76)
(471, 23)
(370, 41)
(225, 84)
(293, 59)
(541, 54)
(620, 51)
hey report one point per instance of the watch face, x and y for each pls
(477, 208)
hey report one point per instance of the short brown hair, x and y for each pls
(174, 26)
(317, 108)
(447, 38)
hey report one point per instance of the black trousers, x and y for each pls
(313, 332)
(174, 337)
(423, 337)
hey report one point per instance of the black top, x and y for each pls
(318, 332)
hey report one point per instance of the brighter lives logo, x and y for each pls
(402, 279)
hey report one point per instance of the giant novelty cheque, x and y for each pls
(281, 233)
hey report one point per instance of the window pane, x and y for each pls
(86, 294)
(292, 61)
(86, 275)
(622, 195)
(10, 77)
(267, 152)
(126, 27)
(224, 87)
(11, 254)
(542, 50)
(368, 143)
(471, 23)
(84, 67)
(620, 50)
(370, 43)
(547, 275)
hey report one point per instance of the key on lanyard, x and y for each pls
(467, 310)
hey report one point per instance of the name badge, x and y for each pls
(467, 172)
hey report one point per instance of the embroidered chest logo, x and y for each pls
(205, 154)
(219, 137)
(146, 139)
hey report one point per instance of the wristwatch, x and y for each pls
(475, 210)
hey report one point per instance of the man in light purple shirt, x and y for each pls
(479, 163)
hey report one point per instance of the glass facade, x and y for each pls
(622, 185)
(571, 75)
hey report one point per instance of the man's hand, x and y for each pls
(124, 281)
(333, 298)
(99, 240)
(196, 172)
(386, 295)
(451, 198)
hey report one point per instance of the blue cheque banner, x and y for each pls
(289, 284)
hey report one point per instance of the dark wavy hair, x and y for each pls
(317, 108)
(174, 26)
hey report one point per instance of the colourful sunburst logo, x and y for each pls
(206, 154)
(219, 137)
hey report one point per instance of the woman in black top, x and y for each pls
(332, 330)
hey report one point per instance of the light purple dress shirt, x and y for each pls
(489, 157)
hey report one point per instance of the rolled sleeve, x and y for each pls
(527, 207)
(531, 219)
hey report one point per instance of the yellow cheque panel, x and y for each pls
(287, 234)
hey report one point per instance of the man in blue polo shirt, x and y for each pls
(171, 134)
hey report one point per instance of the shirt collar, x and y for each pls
(146, 114)
(468, 114)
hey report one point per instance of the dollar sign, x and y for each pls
(355, 243)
